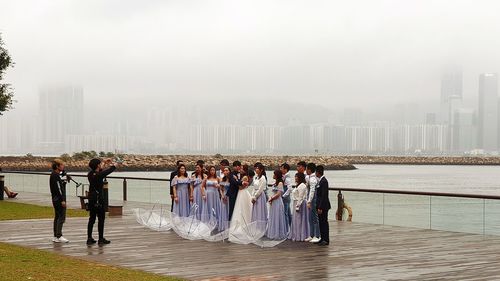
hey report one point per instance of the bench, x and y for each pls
(115, 210)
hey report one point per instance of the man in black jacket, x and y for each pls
(97, 175)
(234, 186)
(58, 192)
(323, 205)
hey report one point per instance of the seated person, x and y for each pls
(9, 192)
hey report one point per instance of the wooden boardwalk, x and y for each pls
(357, 252)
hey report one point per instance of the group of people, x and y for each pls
(96, 203)
(295, 207)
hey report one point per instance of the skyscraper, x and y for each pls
(488, 112)
(61, 114)
(451, 98)
(451, 84)
(464, 130)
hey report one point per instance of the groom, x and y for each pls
(234, 186)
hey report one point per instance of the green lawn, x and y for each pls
(19, 263)
(21, 211)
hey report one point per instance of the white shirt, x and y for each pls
(259, 185)
(287, 181)
(312, 182)
(299, 194)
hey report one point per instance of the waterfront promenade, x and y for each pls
(358, 251)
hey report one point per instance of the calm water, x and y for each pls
(454, 179)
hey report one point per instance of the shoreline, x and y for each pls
(140, 163)
(425, 160)
(144, 163)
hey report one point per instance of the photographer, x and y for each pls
(99, 171)
(58, 191)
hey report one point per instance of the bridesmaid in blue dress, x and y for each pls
(224, 202)
(196, 190)
(299, 230)
(259, 197)
(180, 185)
(210, 188)
(277, 226)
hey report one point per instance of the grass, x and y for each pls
(19, 263)
(22, 211)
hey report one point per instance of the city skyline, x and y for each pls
(279, 128)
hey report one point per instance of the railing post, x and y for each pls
(2, 184)
(484, 216)
(383, 208)
(340, 206)
(105, 190)
(430, 212)
(124, 189)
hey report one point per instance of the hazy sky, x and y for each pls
(339, 53)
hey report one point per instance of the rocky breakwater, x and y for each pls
(167, 162)
(424, 160)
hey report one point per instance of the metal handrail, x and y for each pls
(81, 176)
(421, 193)
(365, 190)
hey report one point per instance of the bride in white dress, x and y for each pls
(242, 214)
(241, 228)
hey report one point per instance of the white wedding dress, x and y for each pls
(242, 213)
(241, 228)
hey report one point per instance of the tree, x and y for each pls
(6, 93)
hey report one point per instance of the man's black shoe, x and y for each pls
(91, 241)
(103, 241)
(323, 243)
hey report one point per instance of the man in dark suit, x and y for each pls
(172, 176)
(234, 186)
(323, 205)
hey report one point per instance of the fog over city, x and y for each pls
(270, 77)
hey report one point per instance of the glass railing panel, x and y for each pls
(457, 214)
(115, 189)
(492, 217)
(14, 181)
(139, 190)
(31, 183)
(160, 192)
(407, 210)
(42, 184)
(366, 207)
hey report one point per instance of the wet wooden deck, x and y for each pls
(357, 252)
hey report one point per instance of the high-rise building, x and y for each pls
(451, 83)
(17, 134)
(430, 118)
(464, 130)
(61, 114)
(488, 112)
(451, 99)
(451, 91)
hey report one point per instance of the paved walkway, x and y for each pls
(357, 252)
